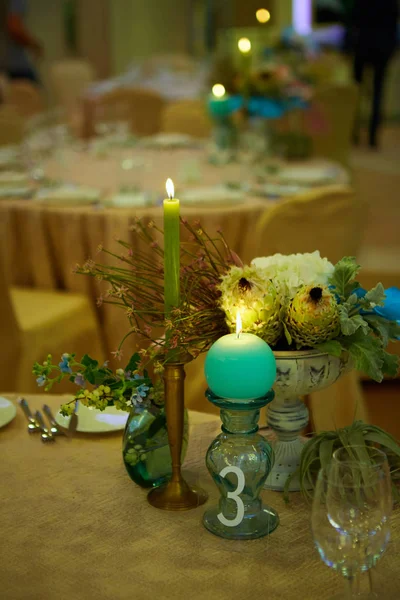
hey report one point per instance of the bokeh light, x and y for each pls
(263, 15)
(218, 90)
(244, 45)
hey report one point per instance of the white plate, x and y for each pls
(128, 200)
(13, 179)
(68, 194)
(211, 195)
(8, 411)
(91, 420)
(15, 192)
(307, 175)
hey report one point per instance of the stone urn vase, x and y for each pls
(298, 373)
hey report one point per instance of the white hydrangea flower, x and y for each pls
(290, 272)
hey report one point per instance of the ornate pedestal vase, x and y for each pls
(176, 494)
(239, 461)
(298, 373)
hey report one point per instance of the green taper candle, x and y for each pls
(171, 250)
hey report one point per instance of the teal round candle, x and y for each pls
(240, 367)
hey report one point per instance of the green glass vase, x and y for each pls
(239, 461)
(145, 448)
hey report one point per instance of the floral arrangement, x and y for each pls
(303, 301)
(125, 388)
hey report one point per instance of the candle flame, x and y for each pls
(170, 188)
(238, 324)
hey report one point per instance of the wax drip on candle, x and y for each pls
(238, 324)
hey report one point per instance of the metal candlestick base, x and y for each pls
(176, 494)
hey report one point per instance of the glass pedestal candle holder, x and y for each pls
(239, 461)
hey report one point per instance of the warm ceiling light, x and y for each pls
(244, 45)
(218, 90)
(263, 15)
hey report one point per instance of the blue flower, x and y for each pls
(64, 364)
(360, 292)
(265, 107)
(137, 376)
(79, 380)
(41, 380)
(142, 390)
(391, 308)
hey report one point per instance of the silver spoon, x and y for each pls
(33, 425)
(46, 435)
(54, 430)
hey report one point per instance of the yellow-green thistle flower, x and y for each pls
(313, 316)
(246, 290)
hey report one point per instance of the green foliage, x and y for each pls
(317, 453)
(344, 275)
(364, 334)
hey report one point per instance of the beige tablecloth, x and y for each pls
(75, 527)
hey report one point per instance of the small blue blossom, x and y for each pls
(79, 380)
(64, 364)
(142, 390)
(137, 376)
(41, 380)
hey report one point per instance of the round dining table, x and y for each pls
(45, 240)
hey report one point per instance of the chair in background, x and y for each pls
(140, 108)
(186, 116)
(11, 126)
(69, 79)
(335, 107)
(329, 220)
(25, 97)
(36, 322)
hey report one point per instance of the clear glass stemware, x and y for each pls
(351, 513)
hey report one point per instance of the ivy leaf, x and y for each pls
(390, 364)
(367, 353)
(376, 296)
(350, 325)
(332, 347)
(133, 362)
(343, 276)
(89, 362)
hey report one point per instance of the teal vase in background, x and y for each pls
(239, 461)
(145, 448)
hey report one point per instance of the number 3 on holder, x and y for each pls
(234, 496)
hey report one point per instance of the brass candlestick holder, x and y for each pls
(176, 494)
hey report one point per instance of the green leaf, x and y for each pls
(390, 364)
(90, 376)
(349, 325)
(332, 347)
(133, 362)
(376, 296)
(366, 352)
(345, 272)
(87, 361)
(384, 440)
(287, 334)
(325, 452)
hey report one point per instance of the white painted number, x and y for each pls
(234, 496)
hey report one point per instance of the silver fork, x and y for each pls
(33, 425)
(46, 435)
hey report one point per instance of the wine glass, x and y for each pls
(351, 513)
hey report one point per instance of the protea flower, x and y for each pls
(313, 316)
(255, 297)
